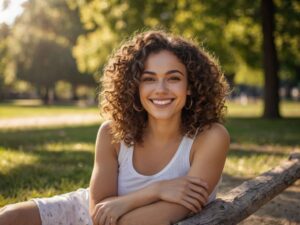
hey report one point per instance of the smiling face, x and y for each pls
(163, 86)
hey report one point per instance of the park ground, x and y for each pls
(49, 150)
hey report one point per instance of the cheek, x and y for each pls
(143, 92)
(181, 89)
(145, 89)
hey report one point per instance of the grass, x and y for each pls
(46, 161)
(32, 108)
(35, 108)
(255, 109)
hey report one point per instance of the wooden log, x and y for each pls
(245, 199)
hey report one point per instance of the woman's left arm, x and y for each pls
(211, 147)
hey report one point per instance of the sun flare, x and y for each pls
(9, 13)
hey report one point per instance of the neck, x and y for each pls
(163, 130)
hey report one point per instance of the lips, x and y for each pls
(161, 102)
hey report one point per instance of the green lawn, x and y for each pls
(46, 161)
(34, 108)
(255, 109)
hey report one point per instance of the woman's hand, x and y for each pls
(108, 212)
(190, 192)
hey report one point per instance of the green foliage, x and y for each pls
(288, 39)
(4, 33)
(42, 48)
(231, 30)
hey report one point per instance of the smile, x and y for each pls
(161, 101)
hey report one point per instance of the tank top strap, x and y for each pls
(196, 133)
(123, 153)
(190, 141)
(188, 147)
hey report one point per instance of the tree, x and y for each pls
(42, 48)
(271, 96)
(232, 30)
(4, 33)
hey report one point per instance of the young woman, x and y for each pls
(160, 156)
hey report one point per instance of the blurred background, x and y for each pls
(55, 50)
(52, 53)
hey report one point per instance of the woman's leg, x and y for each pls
(23, 213)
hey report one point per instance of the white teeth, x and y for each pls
(161, 102)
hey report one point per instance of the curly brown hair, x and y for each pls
(119, 98)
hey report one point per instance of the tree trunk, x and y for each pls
(48, 95)
(74, 92)
(45, 96)
(270, 62)
(248, 197)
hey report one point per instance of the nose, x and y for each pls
(162, 86)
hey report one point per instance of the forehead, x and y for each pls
(164, 60)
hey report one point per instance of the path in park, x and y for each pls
(39, 121)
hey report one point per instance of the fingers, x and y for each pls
(198, 186)
(113, 221)
(96, 215)
(202, 200)
(198, 181)
(191, 192)
(99, 217)
(110, 220)
(195, 203)
(199, 190)
(103, 219)
(107, 220)
(188, 205)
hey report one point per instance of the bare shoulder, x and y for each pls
(105, 137)
(209, 152)
(215, 133)
(212, 140)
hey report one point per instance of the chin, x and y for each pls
(163, 116)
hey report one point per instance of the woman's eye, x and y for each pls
(148, 79)
(174, 78)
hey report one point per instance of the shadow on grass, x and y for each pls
(51, 170)
(18, 139)
(247, 153)
(264, 131)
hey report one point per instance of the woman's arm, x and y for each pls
(104, 203)
(159, 213)
(207, 164)
(103, 183)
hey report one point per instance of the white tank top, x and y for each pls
(130, 180)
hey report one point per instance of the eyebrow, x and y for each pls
(167, 73)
